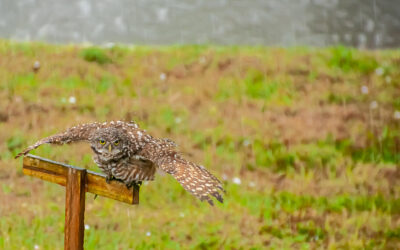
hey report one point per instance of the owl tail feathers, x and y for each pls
(199, 182)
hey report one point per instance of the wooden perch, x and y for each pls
(95, 183)
(77, 182)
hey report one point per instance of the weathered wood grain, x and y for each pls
(57, 172)
(74, 209)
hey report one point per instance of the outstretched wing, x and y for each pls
(194, 178)
(74, 134)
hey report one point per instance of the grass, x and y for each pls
(317, 162)
(94, 54)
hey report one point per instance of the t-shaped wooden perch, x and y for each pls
(77, 181)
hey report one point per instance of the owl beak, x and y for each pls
(109, 148)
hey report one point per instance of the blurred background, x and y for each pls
(293, 105)
(364, 24)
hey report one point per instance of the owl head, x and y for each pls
(109, 143)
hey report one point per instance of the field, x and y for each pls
(305, 140)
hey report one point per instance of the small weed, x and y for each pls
(310, 231)
(14, 143)
(279, 157)
(94, 54)
(105, 83)
(393, 234)
(348, 59)
(340, 99)
(258, 86)
(383, 147)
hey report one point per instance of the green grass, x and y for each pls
(94, 54)
(348, 59)
(318, 165)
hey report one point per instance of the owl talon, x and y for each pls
(135, 184)
(109, 178)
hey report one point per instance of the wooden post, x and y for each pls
(74, 209)
(77, 181)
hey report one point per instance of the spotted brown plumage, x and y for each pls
(124, 151)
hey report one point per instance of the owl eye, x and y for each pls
(116, 142)
(102, 142)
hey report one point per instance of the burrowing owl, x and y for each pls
(124, 151)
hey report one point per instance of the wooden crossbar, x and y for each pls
(57, 172)
(77, 182)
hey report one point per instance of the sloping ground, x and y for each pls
(305, 140)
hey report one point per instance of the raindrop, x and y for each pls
(347, 37)
(72, 99)
(246, 142)
(109, 45)
(373, 105)
(85, 8)
(362, 40)
(364, 90)
(162, 14)
(237, 180)
(370, 25)
(379, 71)
(202, 60)
(396, 115)
(120, 24)
(252, 184)
(163, 76)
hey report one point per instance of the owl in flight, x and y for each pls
(125, 152)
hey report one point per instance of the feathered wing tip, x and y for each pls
(77, 133)
(199, 181)
(194, 178)
(32, 147)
